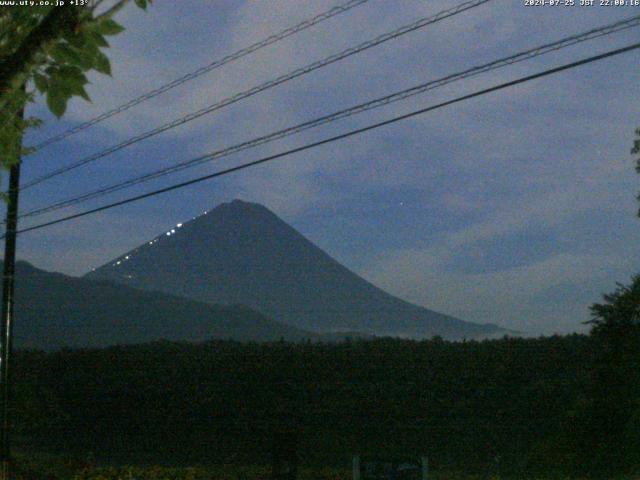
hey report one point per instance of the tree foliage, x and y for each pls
(49, 50)
(488, 407)
(620, 310)
(614, 408)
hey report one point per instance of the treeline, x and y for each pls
(502, 406)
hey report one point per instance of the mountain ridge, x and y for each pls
(242, 252)
(54, 310)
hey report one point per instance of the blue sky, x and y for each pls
(516, 208)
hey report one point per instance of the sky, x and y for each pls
(516, 208)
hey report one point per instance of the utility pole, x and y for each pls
(6, 315)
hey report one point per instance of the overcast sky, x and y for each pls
(516, 208)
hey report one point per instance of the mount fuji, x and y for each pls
(242, 253)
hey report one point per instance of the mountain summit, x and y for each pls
(242, 253)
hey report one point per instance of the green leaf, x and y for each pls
(76, 40)
(64, 53)
(98, 39)
(58, 86)
(88, 55)
(57, 102)
(68, 81)
(82, 93)
(109, 26)
(68, 72)
(42, 84)
(74, 85)
(102, 64)
(142, 4)
(87, 59)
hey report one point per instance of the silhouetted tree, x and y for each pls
(615, 395)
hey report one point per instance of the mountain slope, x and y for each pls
(55, 310)
(242, 253)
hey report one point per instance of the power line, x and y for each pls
(337, 10)
(394, 97)
(350, 133)
(267, 85)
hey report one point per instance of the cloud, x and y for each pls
(514, 298)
